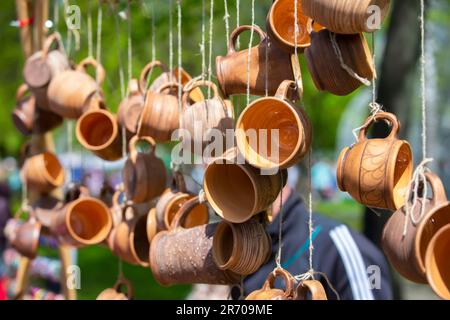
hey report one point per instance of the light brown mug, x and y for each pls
(327, 70)
(71, 92)
(115, 293)
(43, 172)
(269, 292)
(45, 207)
(346, 17)
(24, 235)
(274, 113)
(377, 172)
(312, 288)
(144, 174)
(264, 74)
(407, 253)
(130, 109)
(44, 65)
(184, 256)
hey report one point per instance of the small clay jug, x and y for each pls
(269, 66)
(161, 116)
(437, 263)
(43, 172)
(97, 130)
(115, 293)
(310, 289)
(82, 221)
(41, 67)
(130, 109)
(346, 17)
(24, 235)
(202, 117)
(237, 191)
(184, 256)
(167, 77)
(377, 172)
(71, 92)
(144, 174)
(327, 70)
(407, 253)
(274, 124)
(281, 22)
(269, 292)
(242, 248)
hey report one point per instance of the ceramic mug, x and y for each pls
(43, 172)
(115, 293)
(269, 292)
(130, 109)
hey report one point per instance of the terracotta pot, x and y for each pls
(237, 192)
(184, 256)
(310, 289)
(345, 17)
(268, 292)
(167, 77)
(45, 207)
(41, 67)
(144, 174)
(376, 172)
(437, 263)
(130, 109)
(407, 253)
(84, 221)
(202, 117)
(161, 116)
(242, 248)
(43, 172)
(24, 236)
(70, 93)
(115, 293)
(130, 236)
(270, 72)
(28, 119)
(274, 113)
(281, 25)
(326, 68)
(98, 131)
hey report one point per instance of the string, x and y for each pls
(211, 29)
(238, 22)
(69, 128)
(119, 54)
(99, 46)
(130, 43)
(226, 17)
(250, 52)
(180, 62)
(310, 275)
(153, 33)
(203, 41)
(89, 23)
(310, 213)
(170, 36)
(56, 14)
(280, 228)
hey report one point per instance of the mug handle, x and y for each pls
(183, 213)
(283, 90)
(53, 38)
(195, 85)
(388, 117)
(122, 281)
(288, 280)
(439, 195)
(169, 85)
(236, 33)
(98, 67)
(133, 145)
(146, 71)
(312, 286)
(21, 92)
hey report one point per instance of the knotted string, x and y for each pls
(249, 58)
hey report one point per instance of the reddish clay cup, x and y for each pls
(43, 172)
(377, 172)
(24, 236)
(269, 119)
(407, 253)
(310, 288)
(268, 291)
(115, 293)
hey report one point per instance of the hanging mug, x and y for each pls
(312, 289)
(377, 172)
(45, 207)
(242, 248)
(167, 77)
(24, 235)
(71, 92)
(263, 74)
(407, 253)
(346, 17)
(184, 256)
(115, 293)
(269, 292)
(130, 109)
(97, 130)
(144, 174)
(339, 63)
(161, 116)
(43, 172)
(82, 221)
(292, 137)
(43, 66)
(281, 22)
(202, 117)
(236, 191)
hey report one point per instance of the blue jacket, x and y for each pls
(354, 266)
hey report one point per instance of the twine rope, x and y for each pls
(202, 196)
(310, 275)
(170, 36)
(211, 29)
(280, 228)
(249, 58)
(344, 66)
(153, 34)
(203, 41)
(180, 62)
(238, 20)
(226, 17)
(99, 46)
(69, 129)
(130, 42)
(119, 53)
(89, 25)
